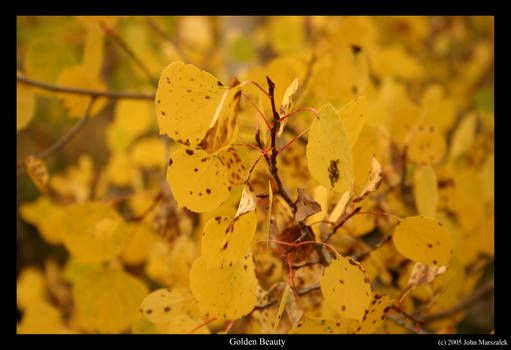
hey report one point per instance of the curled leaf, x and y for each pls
(305, 205)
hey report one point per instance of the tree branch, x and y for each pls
(117, 38)
(78, 91)
(65, 139)
(470, 300)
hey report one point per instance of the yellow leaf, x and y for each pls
(395, 61)
(93, 232)
(78, 77)
(315, 325)
(247, 202)
(107, 301)
(184, 324)
(426, 191)
(194, 107)
(119, 170)
(340, 207)
(148, 153)
(25, 105)
(288, 99)
(139, 244)
(373, 181)
(162, 305)
(373, 316)
(427, 146)
(30, 287)
(346, 287)
(41, 318)
(135, 117)
(423, 240)
(329, 153)
(282, 307)
(353, 115)
(93, 52)
(198, 180)
(224, 293)
(225, 240)
(36, 169)
(235, 169)
(424, 274)
(463, 136)
(46, 216)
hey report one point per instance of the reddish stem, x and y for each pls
(299, 110)
(202, 325)
(293, 140)
(258, 110)
(229, 326)
(257, 85)
(379, 213)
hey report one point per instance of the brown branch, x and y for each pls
(69, 135)
(399, 320)
(300, 293)
(78, 91)
(341, 223)
(154, 26)
(117, 38)
(308, 263)
(470, 300)
(360, 256)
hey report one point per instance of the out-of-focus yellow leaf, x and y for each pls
(228, 293)
(107, 300)
(93, 231)
(426, 191)
(25, 105)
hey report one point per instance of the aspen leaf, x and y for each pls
(426, 191)
(107, 300)
(373, 316)
(373, 181)
(184, 324)
(346, 287)
(140, 242)
(423, 240)
(93, 232)
(424, 274)
(224, 293)
(282, 308)
(236, 172)
(36, 169)
(225, 240)
(161, 305)
(148, 153)
(427, 146)
(247, 202)
(288, 99)
(25, 105)
(340, 207)
(287, 103)
(305, 205)
(329, 153)
(41, 318)
(198, 180)
(463, 136)
(30, 287)
(46, 216)
(78, 77)
(353, 115)
(316, 325)
(192, 106)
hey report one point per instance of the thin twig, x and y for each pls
(341, 223)
(399, 320)
(67, 137)
(154, 26)
(470, 300)
(117, 38)
(360, 256)
(78, 91)
(300, 293)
